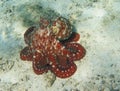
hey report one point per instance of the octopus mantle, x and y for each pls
(53, 46)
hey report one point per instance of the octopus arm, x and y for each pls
(39, 68)
(40, 63)
(61, 60)
(66, 71)
(28, 35)
(73, 38)
(26, 54)
(77, 51)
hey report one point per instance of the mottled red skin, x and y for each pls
(55, 52)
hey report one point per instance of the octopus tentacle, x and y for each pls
(62, 67)
(40, 64)
(66, 71)
(40, 69)
(26, 54)
(28, 35)
(52, 59)
(61, 60)
(77, 51)
(73, 38)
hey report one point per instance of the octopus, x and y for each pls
(52, 46)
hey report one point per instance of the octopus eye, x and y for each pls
(55, 30)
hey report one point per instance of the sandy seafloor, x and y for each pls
(97, 22)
